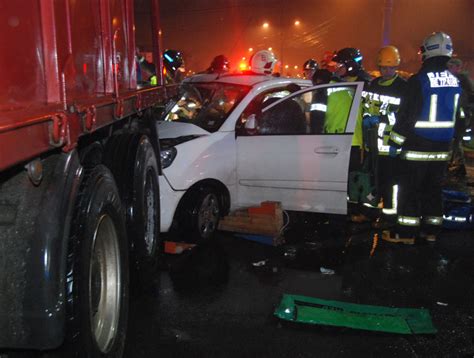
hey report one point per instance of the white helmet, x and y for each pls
(436, 44)
(263, 62)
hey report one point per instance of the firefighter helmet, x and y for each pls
(219, 64)
(388, 56)
(172, 60)
(310, 65)
(263, 62)
(436, 44)
(351, 58)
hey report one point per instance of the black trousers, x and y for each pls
(419, 197)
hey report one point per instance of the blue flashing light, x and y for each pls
(358, 59)
(168, 57)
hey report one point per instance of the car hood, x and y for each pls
(177, 129)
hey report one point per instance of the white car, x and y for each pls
(237, 140)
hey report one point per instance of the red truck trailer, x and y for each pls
(79, 166)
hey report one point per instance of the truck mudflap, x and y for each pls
(34, 228)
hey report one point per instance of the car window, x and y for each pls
(260, 101)
(206, 105)
(318, 111)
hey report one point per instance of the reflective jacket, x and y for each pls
(426, 120)
(383, 98)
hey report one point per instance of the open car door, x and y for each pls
(299, 148)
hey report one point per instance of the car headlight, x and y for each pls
(167, 156)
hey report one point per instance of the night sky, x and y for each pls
(202, 29)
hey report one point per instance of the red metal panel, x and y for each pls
(156, 38)
(87, 79)
(50, 51)
(22, 83)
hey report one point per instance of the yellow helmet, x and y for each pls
(388, 56)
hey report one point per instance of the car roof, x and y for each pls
(245, 79)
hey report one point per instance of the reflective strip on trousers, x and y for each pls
(408, 220)
(425, 156)
(433, 220)
(397, 138)
(393, 210)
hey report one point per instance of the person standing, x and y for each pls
(382, 101)
(466, 102)
(349, 68)
(309, 68)
(424, 132)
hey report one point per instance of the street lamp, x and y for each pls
(297, 22)
(265, 25)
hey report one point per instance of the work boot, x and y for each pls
(396, 239)
(359, 218)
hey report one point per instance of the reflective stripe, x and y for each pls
(391, 118)
(430, 124)
(458, 219)
(397, 138)
(408, 221)
(433, 107)
(338, 89)
(462, 114)
(394, 208)
(456, 101)
(389, 211)
(318, 107)
(433, 220)
(425, 156)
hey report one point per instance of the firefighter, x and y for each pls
(309, 68)
(349, 68)
(173, 64)
(466, 101)
(424, 131)
(219, 65)
(262, 62)
(381, 102)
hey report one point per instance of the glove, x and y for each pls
(370, 121)
(392, 152)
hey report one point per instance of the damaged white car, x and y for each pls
(237, 140)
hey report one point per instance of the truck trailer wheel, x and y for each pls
(98, 279)
(133, 162)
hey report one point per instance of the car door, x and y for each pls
(298, 152)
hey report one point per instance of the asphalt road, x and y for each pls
(218, 300)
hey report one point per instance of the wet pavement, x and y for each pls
(218, 300)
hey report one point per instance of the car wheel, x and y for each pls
(97, 282)
(202, 215)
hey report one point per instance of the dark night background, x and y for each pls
(205, 28)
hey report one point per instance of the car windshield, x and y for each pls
(206, 105)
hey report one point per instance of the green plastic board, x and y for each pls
(342, 314)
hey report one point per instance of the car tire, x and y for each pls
(133, 161)
(201, 214)
(97, 283)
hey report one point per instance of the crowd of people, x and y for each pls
(406, 133)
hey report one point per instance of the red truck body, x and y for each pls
(77, 134)
(68, 69)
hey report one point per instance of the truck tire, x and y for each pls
(98, 278)
(200, 215)
(134, 165)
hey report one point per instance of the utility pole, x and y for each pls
(387, 22)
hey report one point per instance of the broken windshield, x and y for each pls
(206, 105)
